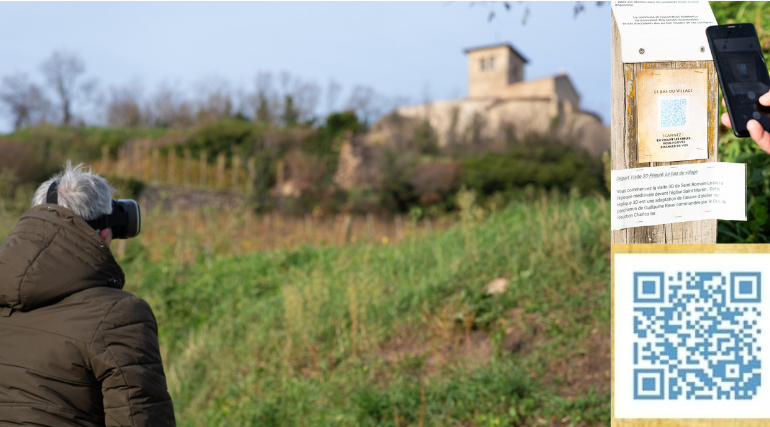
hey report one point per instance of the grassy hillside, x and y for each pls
(396, 335)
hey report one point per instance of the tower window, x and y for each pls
(482, 64)
(492, 63)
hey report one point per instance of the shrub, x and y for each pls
(223, 136)
(757, 227)
(434, 181)
(543, 163)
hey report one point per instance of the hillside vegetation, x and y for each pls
(396, 335)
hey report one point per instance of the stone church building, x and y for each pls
(498, 92)
(500, 102)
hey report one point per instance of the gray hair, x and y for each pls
(80, 190)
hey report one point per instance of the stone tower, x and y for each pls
(491, 69)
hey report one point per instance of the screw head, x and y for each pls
(641, 50)
(702, 49)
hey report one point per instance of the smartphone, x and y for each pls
(742, 74)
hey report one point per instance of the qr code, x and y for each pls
(696, 335)
(673, 112)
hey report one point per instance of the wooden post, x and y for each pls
(369, 226)
(172, 165)
(138, 161)
(104, 166)
(221, 170)
(347, 228)
(155, 161)
(146, 162)
(309, 227)
(187, 166)
(251, 176)
(247, 220)
(119, 162)
(202, 169)
(279, 174)
(236, 167)
(623, 136)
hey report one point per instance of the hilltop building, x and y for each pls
(493, 69)
(500, 103)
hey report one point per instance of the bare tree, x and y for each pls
(63, 71)
(124, 107)
(366, 104)
(25, 100)
(286, 83)
(264, 101)
(508, 6)
(306, 96)
(215, 102)
(242, 101)
(394, 103)
(168, 107)
(289, 116)
(332, 94)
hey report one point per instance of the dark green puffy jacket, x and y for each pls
(75, 349)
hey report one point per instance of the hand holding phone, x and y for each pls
(744, 79)
(756, 131)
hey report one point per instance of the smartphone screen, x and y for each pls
(742, 73)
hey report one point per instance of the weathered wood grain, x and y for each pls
(617, 112)
(624, 139)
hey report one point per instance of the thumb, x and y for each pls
(765, 99)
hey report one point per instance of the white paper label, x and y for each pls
(663, 31)
(668, 194)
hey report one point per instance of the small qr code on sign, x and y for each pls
(673, 113)
(696, 335)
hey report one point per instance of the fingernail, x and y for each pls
(765, 99)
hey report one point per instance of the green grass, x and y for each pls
(307, 337)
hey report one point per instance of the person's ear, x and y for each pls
(106, 235)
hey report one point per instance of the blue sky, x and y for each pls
(400, 49)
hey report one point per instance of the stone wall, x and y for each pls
(458, 120)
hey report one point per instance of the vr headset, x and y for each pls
(125, 219)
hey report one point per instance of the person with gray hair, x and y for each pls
(77, 349)
(83, 192)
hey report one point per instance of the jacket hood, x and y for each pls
(51, 254)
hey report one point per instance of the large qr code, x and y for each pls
(673, 112)
(696, 335)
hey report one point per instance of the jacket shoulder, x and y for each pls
(102, 295)
(119, 305)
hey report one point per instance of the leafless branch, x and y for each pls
(24, 100)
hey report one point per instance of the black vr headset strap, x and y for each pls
(105, 221)
(53, 193)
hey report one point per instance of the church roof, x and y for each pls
(498, 45)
